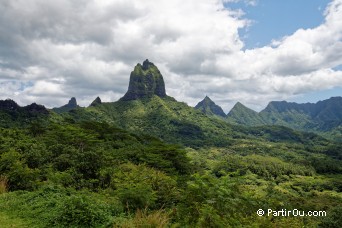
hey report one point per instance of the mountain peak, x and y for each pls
(8, 104)
(145, 81)
(36, 109)
(209, 107)
(240, 106)
(147, 64)
(72, 103)
(240, 114)
(206, 98)
(97, 101)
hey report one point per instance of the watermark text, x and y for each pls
(294, 212)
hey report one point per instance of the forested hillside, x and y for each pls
(148, 160)
(91, 174)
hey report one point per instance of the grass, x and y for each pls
(7, 222)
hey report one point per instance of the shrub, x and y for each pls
(80, 211)
(19, 175)
(138, 186)
(53, 206)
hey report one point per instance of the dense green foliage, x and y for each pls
(165, 118)
(159, 163)
(80, 155)
(176, 122)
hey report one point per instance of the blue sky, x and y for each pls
(273, 19)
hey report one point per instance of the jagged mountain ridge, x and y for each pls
(146, 108)
(323, 116)
(151, 111)
(13, 114)
(32, 109)
(146, 81)
(326, 110)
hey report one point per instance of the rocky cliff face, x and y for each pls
(145, 81)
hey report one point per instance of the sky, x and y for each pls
(251, 51)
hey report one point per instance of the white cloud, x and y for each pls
(44, 88)
(60, 49)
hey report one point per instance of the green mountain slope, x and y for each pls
(324, 117)
(209, 107)
(240, 114)
(164, 118)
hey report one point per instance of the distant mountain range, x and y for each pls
(146, 108)
(321, 117)
(12, 114)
